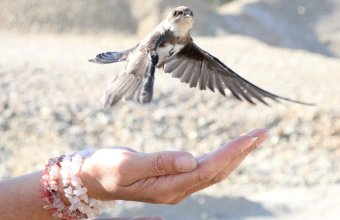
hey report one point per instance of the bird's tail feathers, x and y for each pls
(123, 86)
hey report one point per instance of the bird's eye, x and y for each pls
(176, 13)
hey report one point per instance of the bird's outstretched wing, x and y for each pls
(136, 81)
(200, 69)
(128, 84)
(112, 57)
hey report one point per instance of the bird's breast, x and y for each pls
(168, 50)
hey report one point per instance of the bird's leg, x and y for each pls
(147, 90)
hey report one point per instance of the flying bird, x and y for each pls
(170, 47)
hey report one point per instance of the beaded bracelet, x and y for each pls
(75, 190)
(50, 193)
(64, 169)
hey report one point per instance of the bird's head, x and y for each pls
(180, 20)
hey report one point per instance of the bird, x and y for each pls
(171, 48)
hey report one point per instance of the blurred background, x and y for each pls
(50, 98)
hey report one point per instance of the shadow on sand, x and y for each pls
(198, 207)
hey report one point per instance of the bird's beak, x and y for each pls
(188, 14)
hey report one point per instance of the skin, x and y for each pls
(162, 177)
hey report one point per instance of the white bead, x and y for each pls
(73, 207)
(85, 198)
(67, 158)
(68, 196)
(75, 199)
(54, 169)
(68, 190)
(54, 187)
(79, 192)
(92, 202)
(75, 180)
(65, 181)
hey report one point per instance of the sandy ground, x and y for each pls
(285, 203)
(49, 104)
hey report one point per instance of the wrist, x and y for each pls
(63, 189)
(89, 173)
(86, 174)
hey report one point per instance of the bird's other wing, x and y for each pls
(128, 84)
(200, 69)
(112, 57)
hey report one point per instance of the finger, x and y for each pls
(223, 174)
(237, 147)
(161, 163)
(216, 161)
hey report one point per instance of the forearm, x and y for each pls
(20, 198)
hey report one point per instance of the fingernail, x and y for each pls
(185, 163)
(249, 143)
(254, 133)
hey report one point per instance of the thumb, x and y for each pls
(164, 163)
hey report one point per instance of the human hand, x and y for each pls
(168, 177)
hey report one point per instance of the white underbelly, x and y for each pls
(168, 50)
